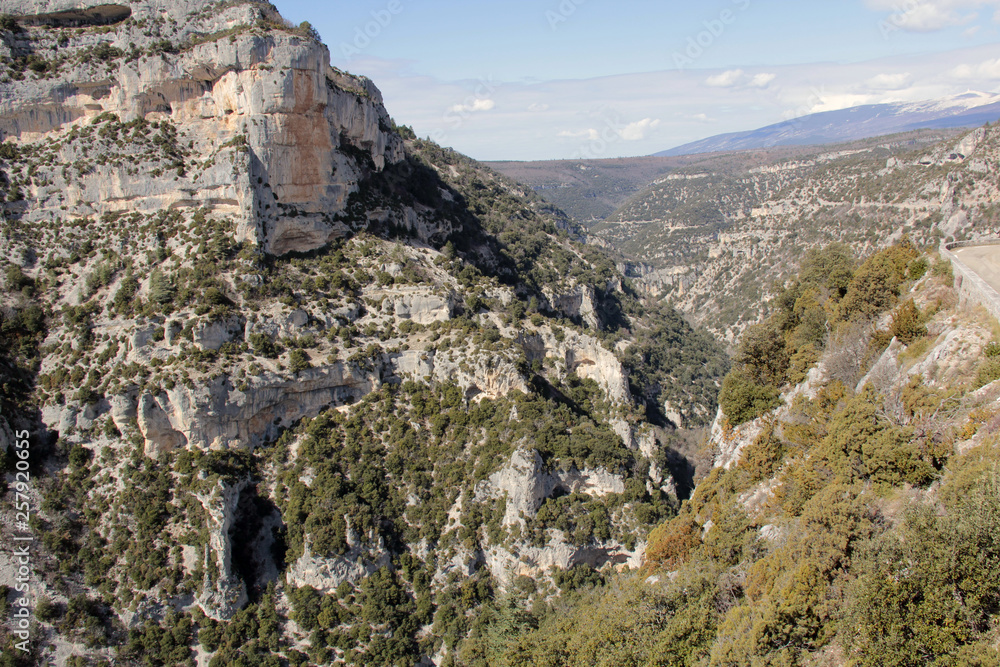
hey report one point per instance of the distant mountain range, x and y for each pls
(970, 109)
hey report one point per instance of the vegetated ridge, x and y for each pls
(591, 190)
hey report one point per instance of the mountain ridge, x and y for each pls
(966, 110)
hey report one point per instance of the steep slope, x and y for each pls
(299, 386)
(850, 520)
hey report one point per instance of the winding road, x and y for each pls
(984, 260)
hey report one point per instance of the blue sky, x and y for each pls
(540, 79)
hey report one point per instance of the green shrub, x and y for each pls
(907, 323)
(875, 286)
(931, 585)
(917, 269)
(988, 371)
(263, 346)
(161, 288)
(743, 397)
(298, 360)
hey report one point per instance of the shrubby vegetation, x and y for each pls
(829, 299)
(832, 571)
(672, 363)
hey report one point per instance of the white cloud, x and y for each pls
(690, 112)
(889, 81)
(477, 105)
(737, 77)
(589, 134)
(727, 79)
(928, 15)
(761, 80)
(837, 101)
(536, 107)
(637, 131)
(988, 69)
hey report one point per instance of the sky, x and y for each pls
(568, 79)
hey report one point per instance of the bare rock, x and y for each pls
(423, 308)
(730, 441)
(363, 557)
(214, 413)
(156, 427)
(225, 593)
(213, 335)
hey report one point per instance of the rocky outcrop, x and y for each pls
(580, 354)
(525, 483)
(215, 414)
(156, 427)
(223, 593)
(558, 554)
(728, 441)
(362, 558)
(215, 334)
(422, 307)
(285, 138)
(478, 374)
(577, 304)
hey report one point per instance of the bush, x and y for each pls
(263, 346)
(930, 585)
(917, 269)
(907, 323)
(988, 371)
(298, 360)
(763, 354)
(876, 284)
(743, 398)
(161, 288)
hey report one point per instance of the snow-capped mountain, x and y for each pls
(969, 109)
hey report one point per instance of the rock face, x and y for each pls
(480, 375)
(422, 308)
(524, 484)
(286, 138)
(223, 593)
(250, 278)
(325, 574)
(581, 354)
(218, 415)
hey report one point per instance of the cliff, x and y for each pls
(280, 359)
(272, 137)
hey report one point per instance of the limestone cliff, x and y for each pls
(267, 133)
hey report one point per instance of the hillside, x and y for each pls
(714, 242)
(292, 386)
(282, 384)
(852, 513)
(590, 191)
